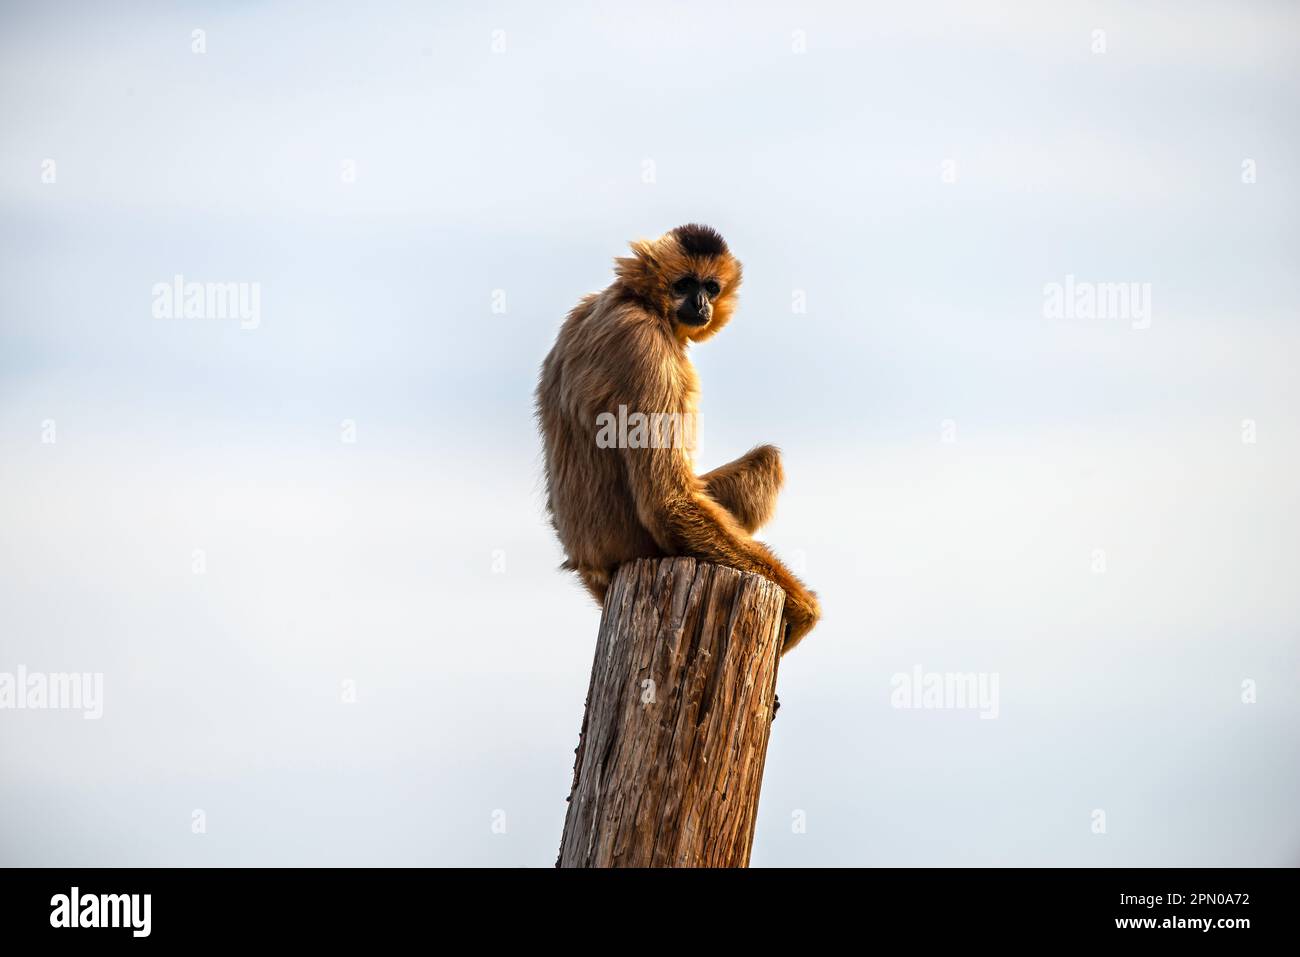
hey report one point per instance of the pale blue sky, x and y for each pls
(523, 171)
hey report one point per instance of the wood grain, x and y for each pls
(670, 757)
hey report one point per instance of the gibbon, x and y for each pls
(626, 347)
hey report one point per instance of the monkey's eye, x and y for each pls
(712, 288)
(683, 285)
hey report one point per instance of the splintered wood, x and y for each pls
(670, 759)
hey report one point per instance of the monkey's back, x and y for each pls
(589, 499)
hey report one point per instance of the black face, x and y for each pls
(694, 300)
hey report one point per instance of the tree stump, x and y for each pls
(670, 758)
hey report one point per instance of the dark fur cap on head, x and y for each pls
(700, 240)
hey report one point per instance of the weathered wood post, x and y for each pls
(670, 757)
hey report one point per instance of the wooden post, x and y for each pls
(670, 758)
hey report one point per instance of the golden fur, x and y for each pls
(627, 346)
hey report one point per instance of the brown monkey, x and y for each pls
(626, 346)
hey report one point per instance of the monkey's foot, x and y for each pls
(776, 705)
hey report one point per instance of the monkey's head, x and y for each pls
(688, 276)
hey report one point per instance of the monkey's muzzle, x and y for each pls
(696, 312)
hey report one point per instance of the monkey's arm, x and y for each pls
(674, 506)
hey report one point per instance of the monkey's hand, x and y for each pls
(802, 612)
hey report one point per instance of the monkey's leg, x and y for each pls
(747, 487)
(674, 507)
(708, 531)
